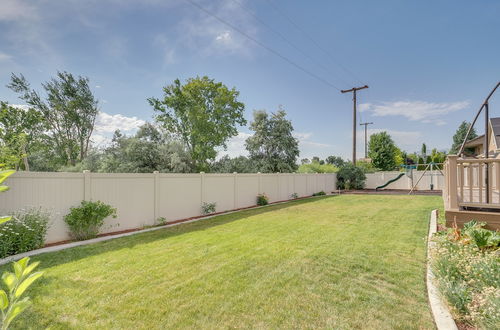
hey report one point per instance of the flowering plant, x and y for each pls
(26, 231)
(467, 268)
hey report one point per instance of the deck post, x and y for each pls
(453, 186)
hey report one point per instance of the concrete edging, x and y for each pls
(440, 312)
(60, 247)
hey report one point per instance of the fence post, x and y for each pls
(259, 177)
(278, 197)
(156, 176)
(87, 188)
(235, 187)
(453, 187)
(202, 187)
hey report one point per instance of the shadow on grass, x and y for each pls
(51, 259)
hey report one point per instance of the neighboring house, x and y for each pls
(475, 147)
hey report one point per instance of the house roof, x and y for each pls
(475, 142)
(495, 127)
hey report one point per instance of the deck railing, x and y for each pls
(472, 182)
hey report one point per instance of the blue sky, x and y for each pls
(429, 64)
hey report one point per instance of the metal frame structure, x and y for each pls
(486, 108)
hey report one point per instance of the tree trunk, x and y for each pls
(25, 159)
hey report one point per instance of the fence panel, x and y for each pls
(247, 189)
(55, 192)
(132, 196)
(219, 189)
(142, 198)
(376, 179)
(180, 196)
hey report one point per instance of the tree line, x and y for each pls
(192, 122)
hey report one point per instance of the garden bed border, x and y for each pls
(440, 312)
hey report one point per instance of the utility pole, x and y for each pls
(366, 137)
(354, 90)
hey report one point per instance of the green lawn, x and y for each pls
(351, 261)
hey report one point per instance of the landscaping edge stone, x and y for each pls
(108, 237)
(440, 312)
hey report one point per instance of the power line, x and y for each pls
(269, 49)
(284, 38)
(308, 36)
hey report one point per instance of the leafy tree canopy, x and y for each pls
(272, 146)
(21, 133)
(203, 113)
(335, 160)
(382, 151)
(69, 112)
(459, 137)
(148, 151)
(239, 164)
(317, 167)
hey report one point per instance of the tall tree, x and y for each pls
(273, 146)
(149, 150)
(335, 160)
(69, 111)
(382, 151)
(203, 113)
(21, 131)
(423, 152)
(240, 164)
(459, 137)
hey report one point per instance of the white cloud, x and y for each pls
(209, 36)
(304, 140)
(235, 146)
(425, 112)
(308, 148)
(224, 36)
(106, 123)
(167, 47)
(4, 57)
(17, 10)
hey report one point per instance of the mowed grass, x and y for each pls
(343, 262)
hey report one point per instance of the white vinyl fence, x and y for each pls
(374, 180)
(140, 199)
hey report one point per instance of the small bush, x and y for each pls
(294, 196)
(208, 208)
(86, 220)
(321, 193)
(161, 221)
(350, 177)
(26, 231)
(262, 199)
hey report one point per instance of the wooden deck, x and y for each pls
(472, 191)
